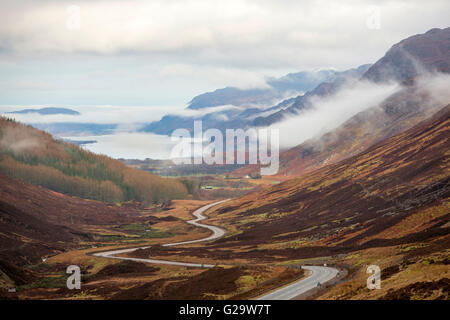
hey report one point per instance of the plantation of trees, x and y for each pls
(35, 157)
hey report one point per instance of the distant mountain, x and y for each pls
(278, 88)
(412, 56)
(229, 118)
(293, 106)
(399, 112)
(405, 60)
(255, 107)
(48, 111)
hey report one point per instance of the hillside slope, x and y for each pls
(399, 112)
(35, 221)
(428, 52)
(387, 206)
(356, 203)
(416, 101)
(34, 156)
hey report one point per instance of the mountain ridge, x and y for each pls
(405, 108)
(427, 52)
(248, 115)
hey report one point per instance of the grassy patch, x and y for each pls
(135, 232)
(246, 281)
(154, 233)
(134, 227)
(412, 247)
(54, 281)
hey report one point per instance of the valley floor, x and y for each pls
(105, 278)
(414, 271)
(388, 206)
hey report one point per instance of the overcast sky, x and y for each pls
(162, 53)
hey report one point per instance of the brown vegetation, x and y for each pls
(35, 157)
(346, 205)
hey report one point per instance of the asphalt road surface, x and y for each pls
(217, 233)
(318, 275)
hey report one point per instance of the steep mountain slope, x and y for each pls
(428, 52)
(295, 105)
(34, 156)
(412, 104)
(395, 192)
(399, 112)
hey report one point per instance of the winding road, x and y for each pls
(318, 274)
(217, 233)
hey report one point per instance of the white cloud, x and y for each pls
(254, 32)
(330, 112)
(129, 118)
(125, 115)
(170, 50)
(218, 76)
(130, 145)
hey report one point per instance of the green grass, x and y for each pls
(111, 238)
(47, 283)
(246, 281)
(134, 227)
(37, 266)
(134, 232)
(156, 234)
